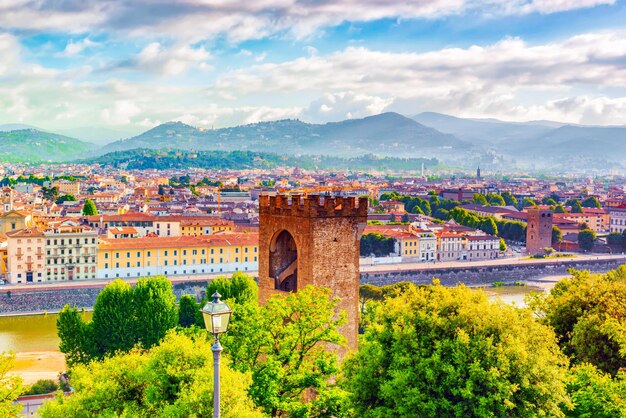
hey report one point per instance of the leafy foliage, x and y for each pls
(588, 314)
(122, 317)
(436, 351)
(42, 386)
(10, 386)
(189, 312)
(376, 244)
(286, 345)
(586, 238)
(596, 394)
(240, 288)
(89, 208)
(173, 379)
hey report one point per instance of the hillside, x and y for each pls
(387, 134)
(31, 145)
(139, 159)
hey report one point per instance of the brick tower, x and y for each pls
(538, 231)
(312, 240)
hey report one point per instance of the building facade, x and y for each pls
(26, 256)
(71, 252)
(538, 231)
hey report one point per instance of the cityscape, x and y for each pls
(313, 209)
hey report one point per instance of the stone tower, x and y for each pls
(538, 230)
(312, 240)
(7, 199)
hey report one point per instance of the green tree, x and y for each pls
(368, 293)
(591, 202)
(586, 238)
(405, 218)
(174, 379)
(559, 209)
(155, 310)
(528, 202)
(113, 320)
(509, 199)
(10, 387)
(161, 191)
(240, 288)
(42, 386)
(480, 199)
(495, 199)
(596, 394)
(588, 314)
(286, 345)
(65, 198)
(488, 226)
(89, 208)
(376, 244)
(576, 207)
(76, 337)
(392, 218)
(189, 312)
(450, 352)
(122, 318)
(502, 245)
(549, 201)
(50, 193)
(557, 235)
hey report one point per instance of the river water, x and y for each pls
(30, 333)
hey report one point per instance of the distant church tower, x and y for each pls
(312, 240)
(478, 172)
(538, 230)
(7, 199)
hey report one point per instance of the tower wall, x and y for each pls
(538, 231)
(326, 231)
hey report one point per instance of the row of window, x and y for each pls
(184, 252)
(69, 241)
(175, 272)
(165, 262)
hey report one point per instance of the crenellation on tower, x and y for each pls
(313, 205)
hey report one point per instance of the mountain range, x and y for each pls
(460, 141)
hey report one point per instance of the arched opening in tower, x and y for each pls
(284, 262)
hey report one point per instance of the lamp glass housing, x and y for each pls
(216, 315)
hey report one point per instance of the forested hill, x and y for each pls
(33, 145)
(138, 159)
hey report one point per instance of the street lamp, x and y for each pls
(216, 318)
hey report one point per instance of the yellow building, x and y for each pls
(14, 220)
(180, 255)
(67, 187)
(194, 227)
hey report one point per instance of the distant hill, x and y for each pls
(141, 159)
(31, 145)
(99, 135)
(537, 142)
(484, 131)
(387, 134)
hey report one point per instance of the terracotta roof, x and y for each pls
(178, 242)
(25, 233)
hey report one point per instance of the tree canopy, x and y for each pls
(173, 379)
(446, 352)
(10, 386)
(89, 208)
(588, 314)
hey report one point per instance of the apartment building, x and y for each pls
(71, 251)
(182, 255)
(25, 255)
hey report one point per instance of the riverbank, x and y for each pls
(36, 365)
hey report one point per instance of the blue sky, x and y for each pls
(128, 65)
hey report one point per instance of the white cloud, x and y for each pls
(10, 53)
(345, 105)
(244, 20)
(74, 48)
(169, 61)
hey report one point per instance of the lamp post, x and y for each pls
(216, 318)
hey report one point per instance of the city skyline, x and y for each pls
(129, 66)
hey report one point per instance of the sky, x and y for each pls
(128, 65)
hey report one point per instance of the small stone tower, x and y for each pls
(478, 172)
(7, 199)
(312, 240)
(538, 230)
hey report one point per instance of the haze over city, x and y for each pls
(127, 66)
